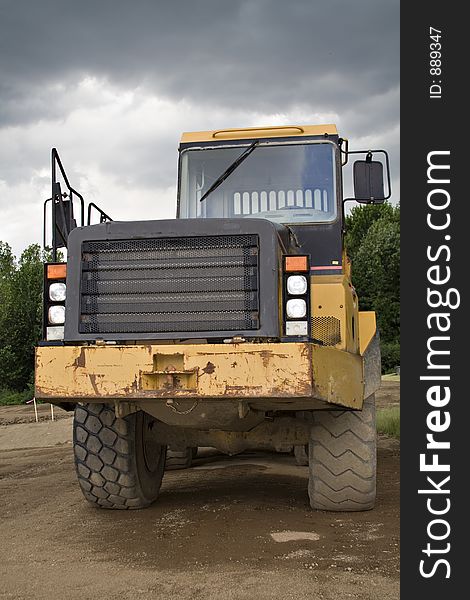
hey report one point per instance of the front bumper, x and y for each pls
(250, 372)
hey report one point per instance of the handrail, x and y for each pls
(44, 217)
(62, 227)
(221, 132)
(103, 216)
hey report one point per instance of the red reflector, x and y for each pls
(296, 263)
(57, 271)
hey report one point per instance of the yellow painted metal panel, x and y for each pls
(333, 297)
(216, 371)
(244, 370)
(338, 376)
(367, 329)
(258, 132)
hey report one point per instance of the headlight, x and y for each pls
(56, 332)
(296, 308)
(57, 292)
(296, 284)
(296, 328)
(56, 315)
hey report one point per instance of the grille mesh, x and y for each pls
(167, 285)
(326, 330)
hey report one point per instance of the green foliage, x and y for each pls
(20, 315)
(7, 263)
(8, 397)
(390, 355)
(373, 245)
(360, 220)
(388, 421)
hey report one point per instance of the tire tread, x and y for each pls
(342, 459)
(104, 471)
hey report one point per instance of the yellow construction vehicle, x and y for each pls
(235, 325)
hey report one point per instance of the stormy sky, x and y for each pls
(113, 83)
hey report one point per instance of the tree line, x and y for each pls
(20, 315)
(372, 241)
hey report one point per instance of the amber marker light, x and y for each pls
(296, 263)
(57, 271)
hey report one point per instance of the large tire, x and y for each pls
(119, 462)
(179, 460)
(342, 459)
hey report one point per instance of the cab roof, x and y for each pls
(258, 132)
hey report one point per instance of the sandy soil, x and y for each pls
(229, 528)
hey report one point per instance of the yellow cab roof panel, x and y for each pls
(258, 132)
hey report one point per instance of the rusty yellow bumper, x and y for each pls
(212, 371)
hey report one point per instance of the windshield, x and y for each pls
(285, 183)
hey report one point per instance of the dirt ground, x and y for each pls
(229, 528)
(388, 395)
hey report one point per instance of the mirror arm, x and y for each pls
(344, 141)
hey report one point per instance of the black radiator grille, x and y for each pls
(164, 285)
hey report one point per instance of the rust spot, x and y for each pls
(92, 377)
(134, 385)
(80, 360)
(289, 389)
(266, 355)
(242, 390)
(172, 381)
(209, 368)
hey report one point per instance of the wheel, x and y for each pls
(179, 460)
(301, 455)
(119, 462)
(342, 459)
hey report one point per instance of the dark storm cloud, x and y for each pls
(260, 55)
(112, 83)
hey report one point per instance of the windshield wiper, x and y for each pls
(230, 169)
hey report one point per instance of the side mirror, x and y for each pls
(62, 216)
(63, 219)
(369, 181)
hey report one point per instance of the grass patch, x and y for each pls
(391, 377)
(388, 421)
(10, 397)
